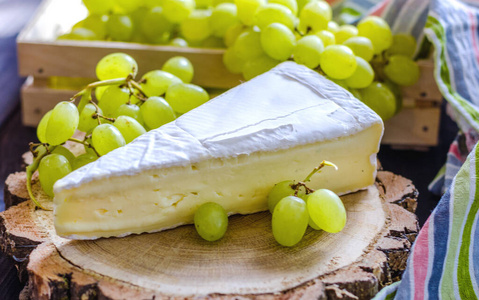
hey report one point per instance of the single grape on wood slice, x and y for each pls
(338, 61)
(130, 110)
(278, 41)
(326, 210)
(99, 7)
(274, 13)
(106, 137)
(112, 98)
(378, 31)
(308, 51)
(176, 11)
(156, 112)
(83, 160)
(116, 65)
(181, 67)
(247, 10)
(291, 4)
(62, 123)
(363, 76)
(380, 99)
(223, 17)
(281, 190)
(156, 27)
(197, 26)
(403, 44)
(345, 32)
(314, 16)
(88, 120)
(119, 27)
(52, 167)
(402, 70)
(211, 221)
(327, 37)
(361, 47)
(232, 62)
(42, 127)
(258, 66)
(183, 97)
(156, 82)
(248, 45)
(130, 128)
(290, 220)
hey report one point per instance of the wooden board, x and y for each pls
(247, 263)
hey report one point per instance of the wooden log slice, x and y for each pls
(356, 263)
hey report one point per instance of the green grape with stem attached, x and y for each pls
(183, 97)
(62, 123)
(380, 99)
(211, 221)
(403, 44)
(232, 34)
(248, 45)
(327, 37)
(326, 210)
(119, 27)
(290, 220)
(314, 16)
(178, 42)
(99, 7)
(278, 41)
(283, 189)
(130, 128)
(345, 32)
(82, 160)
(363, 76)
(181, 67)
(155, 26)
(130, 110)
(112, 98)
(176, 11)
(65, 152)
(106, 137)
(274, 13)
(224, 16)
(402, 70)
(361, 47)
(338, 61)
(308, 51)
(52, 167)
(258, 66)
(88, 118)
(156, 112)
(378, 31)
(197, 26)
(42, 127)
(233, 63)
(291, 4)
(116, 65)
(156, 82)
(247, 10)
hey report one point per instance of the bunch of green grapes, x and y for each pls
(124, 109)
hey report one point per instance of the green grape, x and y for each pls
(233, 63)
(363, 76)
(218, 2)
(396, 90)
(341, 83)
(64, 152)
(119, 27)
(327, 37)
(380, 99)
(130, 128)
(176, 11)
(106, 137)
(51, 168)
(197, 26)
(315, 16)
(156, 82)
(87, 122)
(99, 91)
(95, 23)
(280, 190)
(278, 41)
(333, 27)
(82, 160)
(130, 110)
(308, 51)
(156, 112)
(291, 4)
(155, 26)
(179, 42)
(403, 44)
(378, 31)
(326, 210)
(116, 65)
(42, 127)
(290, 220)
(211, 221)
(356, 94)
(62, 123)
(338, 61)
(345, 32)
(232, 34)
(213, 43)
(223, 17)
(126, 6)
(183, 97)
(313, 225)
(247, 10)
(112, 98)
(99, 7)
(152, 3)
(274, 13)
(302, 3)
(402, 70)
(181, 67)
(79, 34)
(248, 45)
(361, 47)
(258, 66)
(203, 3)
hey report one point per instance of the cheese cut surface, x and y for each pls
(231, 150)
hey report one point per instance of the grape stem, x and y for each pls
(85, 144)
(316, 170)
(300, 184)
(31, 169)
(117, 81)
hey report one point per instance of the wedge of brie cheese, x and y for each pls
(231, 150)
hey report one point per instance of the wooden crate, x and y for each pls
(41, 57)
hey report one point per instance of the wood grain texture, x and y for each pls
(51, 274)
